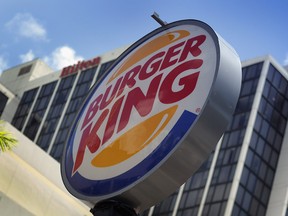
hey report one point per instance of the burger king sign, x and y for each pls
(154, 117)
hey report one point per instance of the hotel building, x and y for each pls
(245, 175)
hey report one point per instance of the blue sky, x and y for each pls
(61, 32)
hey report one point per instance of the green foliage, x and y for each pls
(7, 141)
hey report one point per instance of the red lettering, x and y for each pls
(172, 52)
(72, 69)
(137, 99)
(89, 139)
(79, 66)
(188, 83)
(92, 110)
(88, 64)
(152, 65)
(175, 85)
(112, 120)
(129, 79)
(192, 46)
(105, 102)
(96, 61)
(66, 71)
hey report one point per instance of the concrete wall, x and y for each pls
(278, 202)
(31, 184)
(18, 84)
(11, 104)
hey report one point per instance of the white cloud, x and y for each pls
(27, 26)
(3, 64)
(62, 57)
(27, 56)
(286, 60)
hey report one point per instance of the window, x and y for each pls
(24, 70)
(79, 93)
(55, 111)
(104, 68)
(3, 101)
(39, 110)
(24, 108)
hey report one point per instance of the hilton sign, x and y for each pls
(81, 65)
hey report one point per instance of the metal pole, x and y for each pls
(156, 17)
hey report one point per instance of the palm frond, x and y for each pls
(7, 141)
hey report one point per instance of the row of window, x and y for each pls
(24, 108)
(260, 164)
(39, 110)
(3, 101)
(56, 109)
(264, 149)
(79, 93)
(226, 161)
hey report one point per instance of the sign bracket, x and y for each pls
(156, 17)
(112, 207)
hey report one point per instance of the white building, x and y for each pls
(246, 174)
(38, 106)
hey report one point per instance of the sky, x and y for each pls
(62, 32)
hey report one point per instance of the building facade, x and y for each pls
(38, 106)
(245, 175)
(42, 103)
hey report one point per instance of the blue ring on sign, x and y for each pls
(94, 188)
(80, 186)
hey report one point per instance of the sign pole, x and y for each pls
(156, 17)
(112, 207)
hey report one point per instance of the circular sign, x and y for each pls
(154, 117)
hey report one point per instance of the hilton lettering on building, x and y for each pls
(81, 65)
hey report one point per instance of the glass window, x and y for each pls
(210, 194)
(246, 201)
(285, 108)
(251, 182)
(24, 108)
(55, 111)
(215, 209)
(245, 175)
(269, 176)
(260, 146)
(224, 174)
(219, 192)
(236, 210)
(252, 71)
(191, 198)
(3, 101)
(79, 93)
(267, 152)
(104, 68)
(258, 189)
(39, 110)
(24, 70)
(274, 159)
(261, 210)
(240, 194)
(166, 207)
(254, 207)
(264, 128)
(265, 195)
(244, 104)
